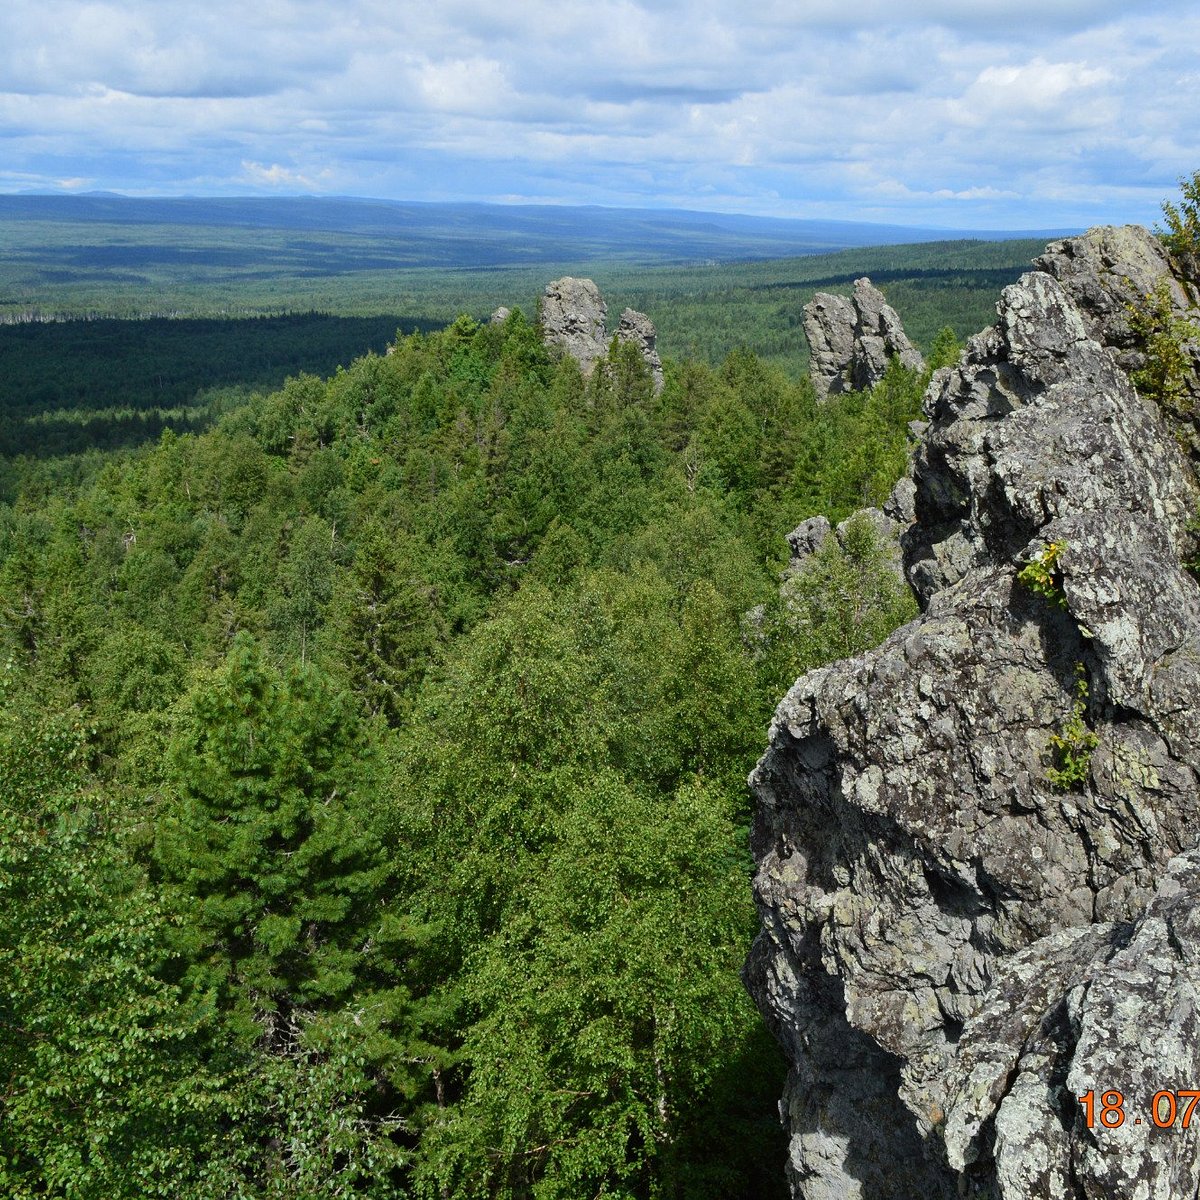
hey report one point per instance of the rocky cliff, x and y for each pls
(976, 844)
(852, 338)
(573, 320)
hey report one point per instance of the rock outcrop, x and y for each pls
(573, 316)
(852, 339)
(1112, 272)
(573, 319)
(809, 536)
(976, 845)
(637, 328)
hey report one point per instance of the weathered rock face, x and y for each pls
(1114, 270)
(953, 948)
(573, 319)
(851, 340)
(829, 325)
(573, 314)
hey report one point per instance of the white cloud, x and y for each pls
(934, 111)
(465, 85)
(1055, 94)
(257, 175)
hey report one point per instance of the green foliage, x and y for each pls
(265, 846)
(271, 856)
(386, 613)
(323, 1138)
(1161, 334)
(1073, 747)
(609, 727)
(1182, 234)
(1042, 575)
(398, 783)
(607, 1001)
(852, 448)
(108, 1091)
(945, 350)
(66, 386)
(843, 599)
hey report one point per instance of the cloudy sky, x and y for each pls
(955, 113)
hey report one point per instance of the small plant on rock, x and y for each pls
(1073, 747)
(1042, 576)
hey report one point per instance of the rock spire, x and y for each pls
(573, 320)
(851, 339)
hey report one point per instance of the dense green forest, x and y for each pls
(372, 805)
(67, 387)
(701, 311)
(91, 383)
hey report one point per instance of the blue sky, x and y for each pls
(955, 113)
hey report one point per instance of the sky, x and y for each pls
(962, 114)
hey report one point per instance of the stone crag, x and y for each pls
(851, 340)
(573, 320)
(954, 949)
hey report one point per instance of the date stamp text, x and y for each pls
(1168, 1109)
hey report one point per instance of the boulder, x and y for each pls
(852, 339)
(807, 538)
(960, 936)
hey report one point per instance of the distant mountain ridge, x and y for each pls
(478, 234)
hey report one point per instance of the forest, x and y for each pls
(67, 387)
(85, 371)
(712, 283)
(373, 817)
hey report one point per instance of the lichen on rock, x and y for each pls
(952, 948)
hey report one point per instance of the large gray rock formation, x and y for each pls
(954, 948)
(573, 315)
(573, 320)
(1115, 270)
(852, 339)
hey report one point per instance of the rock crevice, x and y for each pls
(953, 949)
